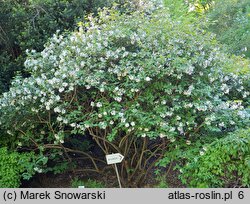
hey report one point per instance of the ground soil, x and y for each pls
(108, 178)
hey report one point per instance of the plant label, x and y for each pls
(114, 158)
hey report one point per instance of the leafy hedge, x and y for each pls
(15, 166)
(223, 163)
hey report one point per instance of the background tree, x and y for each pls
(231, 22)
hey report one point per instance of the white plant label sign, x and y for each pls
(114, 158)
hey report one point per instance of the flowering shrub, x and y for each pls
(134, 83)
